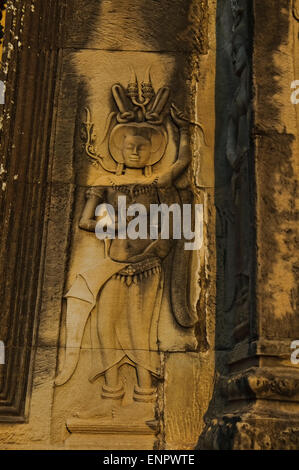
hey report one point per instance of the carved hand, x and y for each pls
(178, 117)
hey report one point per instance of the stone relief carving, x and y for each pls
(123, 292)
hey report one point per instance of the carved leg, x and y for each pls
(136, 327)
(111, 377)
(138, 335)
(112, 394)
(112, 389)
(112, 300)
(144, 392)
(144, 377)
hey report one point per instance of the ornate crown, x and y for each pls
(140, 103)
(138, 107)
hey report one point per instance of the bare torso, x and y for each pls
(123, 250)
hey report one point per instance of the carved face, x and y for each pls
(136, 151)
(137, 145)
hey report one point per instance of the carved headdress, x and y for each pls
(140, 111)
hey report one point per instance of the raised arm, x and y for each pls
(94, 196)
(184, 154)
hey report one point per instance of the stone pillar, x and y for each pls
(256, 406)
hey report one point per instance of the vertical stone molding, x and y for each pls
(255, 404)
(29, 70)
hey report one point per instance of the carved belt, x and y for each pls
(135, 272)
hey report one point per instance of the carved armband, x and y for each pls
(94, 191)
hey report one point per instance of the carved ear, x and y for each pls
(156, 140)
(119, 169)
(118, 141)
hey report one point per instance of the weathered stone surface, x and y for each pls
(99, 45)
(137, 25)
(258, 404)
(97, 70)
(186, 394)
(222, 367)
(276, 131)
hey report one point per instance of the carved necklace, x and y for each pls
(135, 189)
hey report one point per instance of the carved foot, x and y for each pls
(136, 412)
(144, 395)
(106, 409)
(113, 393)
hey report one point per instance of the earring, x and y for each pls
(120, 169)
(148, 171)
